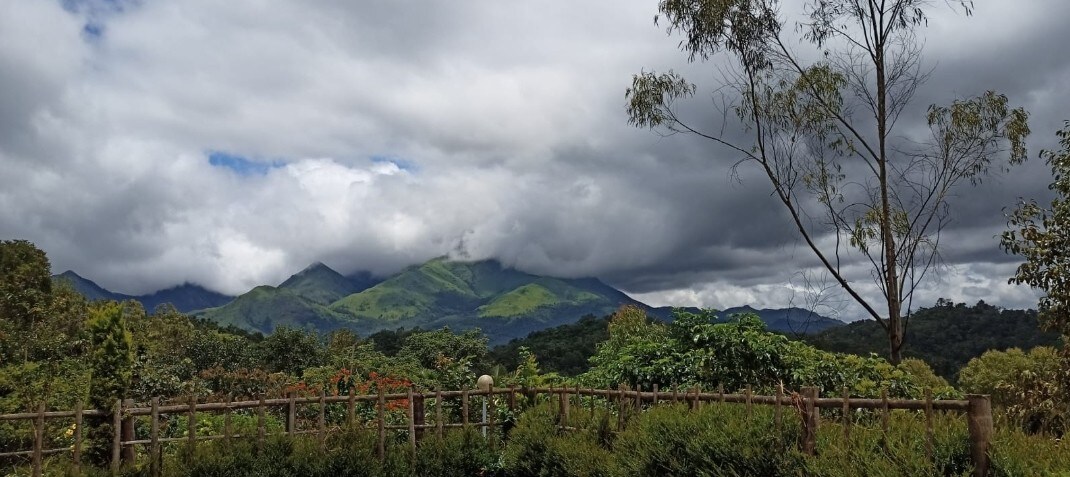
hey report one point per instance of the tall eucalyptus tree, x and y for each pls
(819, 100)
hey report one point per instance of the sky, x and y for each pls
(144, 144)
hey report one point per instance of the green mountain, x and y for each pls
(265, 308)
(321, 284)
(504, 302)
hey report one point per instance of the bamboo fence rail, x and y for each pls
(806, 404)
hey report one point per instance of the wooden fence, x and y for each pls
(806, 405)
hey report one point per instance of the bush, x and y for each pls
(1024, 386)
(538, 448)
(715, 440)
(901, 453)
(458, 452)
(1017, 454)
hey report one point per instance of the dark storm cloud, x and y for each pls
(507, 121)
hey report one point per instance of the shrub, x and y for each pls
(457, 452)
(1017, 454)
(901, 452)
(715, 440)
(1025, 386)
(538, 448)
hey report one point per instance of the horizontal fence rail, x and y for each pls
(805, 404)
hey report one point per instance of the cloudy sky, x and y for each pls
(148, 143)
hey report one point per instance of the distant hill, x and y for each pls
(185, 298)
(790, 321)
(946, 336)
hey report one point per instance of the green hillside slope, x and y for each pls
(265, 308)
(321, 284)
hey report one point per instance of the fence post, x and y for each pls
(639, 398)
(116, 442)
(884, 418)
(154, 438)
(381, 424)
(620, 407)
(591, 393)
(291, 414)
(810, 418)
(412, 421)
(929, 425)
(847, 417)
(227, 431)
(438, 413)
(38, 439)
(191, 423)
(979, 419)
(491, 412)
(321, 421)
(351, 408)
(654, 399)
(128, 452)
(419, 411)
(562, 407)
(750, 410)
(512, 399)
(260, 422)
(78, 439)
(777, 420)
(154, 449)
(464, 407)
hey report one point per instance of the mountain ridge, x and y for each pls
(186, 298)
(502, 301)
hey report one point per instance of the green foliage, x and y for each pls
(564, 349)
(449, 357)
(458, 452)
(538, 448)
(946, 336)
(290, 350)
(25, 283)
(637, 352)
(1019, 454)
(714, 440)
(111, 362)
(350, 453)
(900, 452)
(696, 349)
(1042, 237)
(519, 301)
(1024, 385)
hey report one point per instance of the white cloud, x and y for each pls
(505, 122)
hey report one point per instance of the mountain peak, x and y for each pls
(321, 284)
